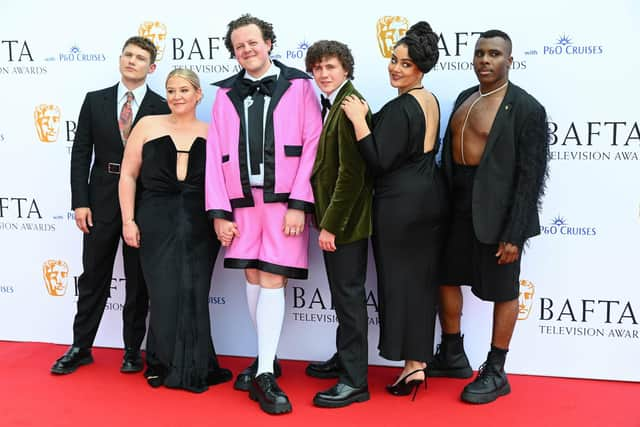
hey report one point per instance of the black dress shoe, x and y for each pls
(71, 360)
(244, 378)
(219, 376)
(155, 375)
(341, 395)
(269, 395)
(329, 369)
(131, 362)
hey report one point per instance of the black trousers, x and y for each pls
(94, 284)
(347, 273)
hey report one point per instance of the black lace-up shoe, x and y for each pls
(269, 395)
(341, 395)
(243, 380)
(490, 384)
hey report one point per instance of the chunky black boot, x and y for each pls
(491, 381)
(450, 359)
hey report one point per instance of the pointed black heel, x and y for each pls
(403, 388)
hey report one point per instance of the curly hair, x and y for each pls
(422, 44)
(325, 49)
(143, 43)
(266, 28)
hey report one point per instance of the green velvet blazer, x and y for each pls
(342, 187)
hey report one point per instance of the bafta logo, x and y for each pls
(389, 30)
(55, 274)
(47, 121)
(525, 300)
(156, 32)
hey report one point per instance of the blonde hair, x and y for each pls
(186, 74)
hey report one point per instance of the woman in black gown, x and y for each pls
(177, 243)
(409, 207)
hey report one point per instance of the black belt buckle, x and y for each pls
(113, 168)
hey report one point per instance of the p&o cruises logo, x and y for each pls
(565, 46)
(76, 55)
(559, 226)
(296, 53)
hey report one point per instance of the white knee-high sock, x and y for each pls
(269, 318)
(253, 292)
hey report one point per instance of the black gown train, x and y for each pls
(177, 252)
(410, 209)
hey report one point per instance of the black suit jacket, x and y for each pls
(509, 181)
(97, 134)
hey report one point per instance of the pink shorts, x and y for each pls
(263, 245)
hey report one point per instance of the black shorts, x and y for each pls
(466, 260)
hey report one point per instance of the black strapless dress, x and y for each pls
(177, 251)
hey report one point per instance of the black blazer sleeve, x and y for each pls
(531, 166)
(81, 153)
(388, 144)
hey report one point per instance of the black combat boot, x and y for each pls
(491, 381)
(450, 359)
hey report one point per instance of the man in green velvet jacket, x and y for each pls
(342, 190)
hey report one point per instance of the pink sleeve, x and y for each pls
(216, 199)
(301, 196)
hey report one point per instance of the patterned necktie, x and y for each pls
(326, 106)
(126, 118)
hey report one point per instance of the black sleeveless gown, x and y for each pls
(177, 252)
(410, 209)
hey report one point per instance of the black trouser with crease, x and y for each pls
(94, 284)
(347, 273)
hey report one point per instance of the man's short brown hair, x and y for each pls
(143, 43)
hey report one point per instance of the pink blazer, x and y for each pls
(292, 131)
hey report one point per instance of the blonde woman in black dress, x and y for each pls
(178, 248)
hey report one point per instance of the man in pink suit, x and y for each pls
(261, 147)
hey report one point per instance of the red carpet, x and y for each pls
(98, 395)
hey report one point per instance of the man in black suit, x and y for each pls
(106, 118)
(495, 157)
(343, 194)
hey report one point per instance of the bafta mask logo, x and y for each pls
(389, 30)
(525, 300)
(47, 121)
(55, 274)
(156, 32)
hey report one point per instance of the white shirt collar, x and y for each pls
(272, 71)
(138, 93)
